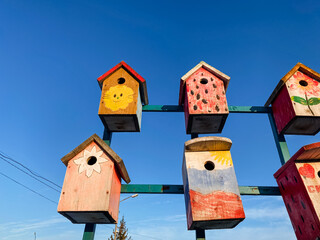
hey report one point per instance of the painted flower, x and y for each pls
(304, 84)
(118, 97)
(90, 161)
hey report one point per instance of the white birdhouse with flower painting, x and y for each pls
(92, 184)
(296, 102)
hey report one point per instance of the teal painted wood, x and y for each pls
(232, 109)
(280, 141)
(89, 231)
(178, 189)
(200, 234)
(107, 136)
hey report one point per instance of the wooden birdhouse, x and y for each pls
(123, 93)
(296, 102)
(211, 190)
(92, 184)
(203, 96)
(299, 184)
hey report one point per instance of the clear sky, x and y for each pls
(51, 53)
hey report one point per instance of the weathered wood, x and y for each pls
(296, 102)
(299, 184)
(95, 138)
(203, 96)
(208, 144)
(121, 99)
(211, 191)
(92, 184)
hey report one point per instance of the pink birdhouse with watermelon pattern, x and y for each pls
(296, 102)
(299, 184)
(203, 97)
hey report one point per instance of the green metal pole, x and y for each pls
(200, 234)
(89, 231)
(280, 141)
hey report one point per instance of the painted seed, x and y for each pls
(197, 87)
(218, 97)
(209, 110)
(211, 79)
(194, 79)
(217, 108)
(223, 92)
(192, 92)
(215, 86)
(195, 107)
(206, 91)
(201, 74)
(204, 101)
(198, 96)
(226, 109)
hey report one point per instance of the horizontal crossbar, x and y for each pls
(178, 189)
(232, 109)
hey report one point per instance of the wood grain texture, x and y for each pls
(299, 184)
(211, 190)
(108, 151)
(133, 73)
(207, 67)
(208, 144)
(86, 199)
(298, 67)
(205, 102)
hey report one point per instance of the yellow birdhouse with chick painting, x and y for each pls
(123, 93)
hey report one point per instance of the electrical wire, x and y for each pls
(29, 174)
(28, 188)
(5, 157)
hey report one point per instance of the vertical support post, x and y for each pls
(90, 228)
(200, 234)
(89, 231)
(280, 141)
(194, 135)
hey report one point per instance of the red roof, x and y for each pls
(133, 73)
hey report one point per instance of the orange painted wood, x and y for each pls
(211, 190)
(92, 184)
(120, 106)
(299, 184)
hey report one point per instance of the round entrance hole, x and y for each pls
(121, 81)
(91, 160)
(209, 165)
(204, 81)
(319, 174)
(303, 83)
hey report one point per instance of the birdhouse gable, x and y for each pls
(132, 73)
(93, 157)
(202, 68)
(299, 77)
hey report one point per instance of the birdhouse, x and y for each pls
(211, 190)
(203, 96)
(296, 102)
(123, 93)
(299, 184)
(92, 184)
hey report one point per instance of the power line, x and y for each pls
(29, 174)
(3, 155)
(28, 188)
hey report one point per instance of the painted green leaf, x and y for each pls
(314, 101)
(299, 100)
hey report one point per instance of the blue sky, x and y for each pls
(51, 53)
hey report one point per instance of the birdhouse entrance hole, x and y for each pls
(91, 160)
(319, 174)
(303, 83)
(209, 165)
(204, 81)
(121, 81)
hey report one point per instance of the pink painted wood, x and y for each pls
(94, 198)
